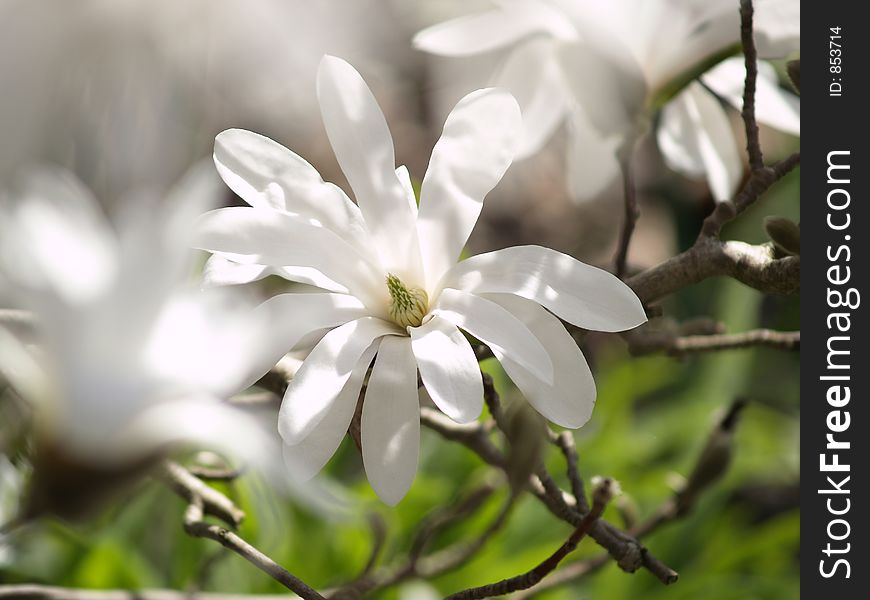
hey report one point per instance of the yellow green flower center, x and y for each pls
(408, 306)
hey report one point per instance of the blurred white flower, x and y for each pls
(391, 282)
(605, 68)
(131, 357)
(11, 487)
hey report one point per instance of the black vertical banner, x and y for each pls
(835, 225)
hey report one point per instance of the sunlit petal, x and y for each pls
(569, 400)
(390, 426)
(448, 368)
(495, 326)
(324, 373)
(475, 149)
(581, 294)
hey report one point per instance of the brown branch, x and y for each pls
(30, 591)
(601, 497)
(676, 345)
(754, 266)
(192, 489)
(629, 554)
(440, 520)
(426, 567)
(379, 536)
(750, 58)
(202, 500)
(195, 526)
(631, 215)
(709, 467)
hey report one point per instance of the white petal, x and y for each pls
(390, 425)
(449, 369)
(273, 238)
(475, 149)
(774, 106)
(199, 420)
(569, 400)
(696, 137)
(219, 270)
(500, 330)
(267, 175)
(324, 373)
(494, 29)
(581, 294)
(592, 161)
(288, 318)
(54, 237)
(363, 146)
(777, 27)
(533, 75)
(309, 456)
(405, 179)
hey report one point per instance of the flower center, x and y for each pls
(408, 306)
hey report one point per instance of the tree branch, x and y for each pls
(44, 592)
(676, 345)
(203, 499)
(631, 215)
(750, 59)
(754, 266)
(601, 497)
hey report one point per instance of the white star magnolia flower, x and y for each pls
(392, 283)
(606, 67)
(131, 359)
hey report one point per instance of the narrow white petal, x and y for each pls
(265, 174)
(219, 270)
(309, 456)
(363, 146)
(697, 138)
(273, 238)
(774, 106)
(533, 75)
(288, 318)
(569, 400)
(495, 326)
(324, 373)
(581, 294)
(54, 237)
(494, 29)
(405, 179)
(475, 149)
(390, 425)
(449, 369)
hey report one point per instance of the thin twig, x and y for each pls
(203, 499)
(631, 214)
(379, 536)
(750, 58)
(30, 591)
(532, 577)
(675, 345)
(195, 526)
(191, 488)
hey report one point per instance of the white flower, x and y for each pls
(392, 283)
(604, 68)
(131, 357)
